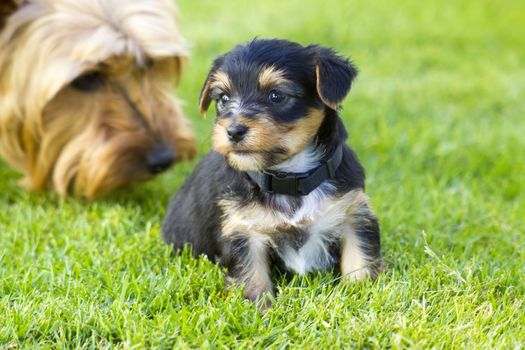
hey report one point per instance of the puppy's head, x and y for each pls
(271, 97)
(86, 86)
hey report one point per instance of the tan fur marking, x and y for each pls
(259, 219)
(250, 218)
(354, 266)
(221, 80)
(271, 76)
(266, 134)
(204, 99)
(302, 131)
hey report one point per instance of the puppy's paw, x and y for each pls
(259, 292)
(368, 272)
(262, 296)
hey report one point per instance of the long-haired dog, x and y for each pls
(86, 92)
(281, 188)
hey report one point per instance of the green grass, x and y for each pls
(437, 117)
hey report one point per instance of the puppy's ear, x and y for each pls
(334, 76)
(7, 7)
(204, 97)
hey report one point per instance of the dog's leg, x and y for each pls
(246, 258)
(360, 248)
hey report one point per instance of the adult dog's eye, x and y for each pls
(149, 63)
(224, 98)
(90, 81)
(276, 96)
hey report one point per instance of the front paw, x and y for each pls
(257, 290)
(370, 271)
(262, 296)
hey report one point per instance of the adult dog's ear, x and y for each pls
(7, 7)
(204, 97)
(334, 76)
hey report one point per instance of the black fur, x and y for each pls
(322, 79)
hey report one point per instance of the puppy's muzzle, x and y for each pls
(160, 159)
(236, 132)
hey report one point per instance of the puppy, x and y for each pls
(86, 102)
(281, 188)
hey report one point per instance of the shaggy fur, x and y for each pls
(277, 114)
(86, 101)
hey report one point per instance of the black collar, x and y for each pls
(294, 184)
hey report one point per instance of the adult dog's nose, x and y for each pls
(236, 132)
(160, 159)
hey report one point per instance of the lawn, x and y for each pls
(437, 117)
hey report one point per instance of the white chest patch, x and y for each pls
(302, 238)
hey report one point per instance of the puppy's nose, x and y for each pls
(236, 132)
(160, 159)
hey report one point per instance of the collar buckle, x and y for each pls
(284, 183)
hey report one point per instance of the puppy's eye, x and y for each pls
(276, 96)
(224, 98)
(90, 81)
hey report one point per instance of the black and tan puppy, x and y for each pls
(281, 188)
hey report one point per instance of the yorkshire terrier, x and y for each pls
(86, 93)
(281, 188)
